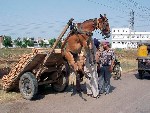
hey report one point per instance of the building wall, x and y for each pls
(125, 38)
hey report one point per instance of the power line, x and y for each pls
(117, 9)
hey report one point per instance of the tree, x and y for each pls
(18, 42)
(52, 41)
(59, 44)
(42, 43)
(27, 42)
(30, 43)
(24, 42)
(7, 42)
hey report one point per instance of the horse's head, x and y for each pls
(103, 25)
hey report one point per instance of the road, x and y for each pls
(128, 95)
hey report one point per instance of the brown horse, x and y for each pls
(80, 37)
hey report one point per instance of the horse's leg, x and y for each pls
(74, 64)
(69, 57)
(78, 86)
(79, 76)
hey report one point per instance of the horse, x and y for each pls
(76, 44)
(79, 38)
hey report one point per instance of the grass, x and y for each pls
(128, 65)
(11, 53)
(126, 57)
(9, 96)
(9, 56)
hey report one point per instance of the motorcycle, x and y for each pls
(117, 70)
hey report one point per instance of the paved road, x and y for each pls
(129, 95)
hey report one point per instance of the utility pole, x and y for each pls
(132, 20)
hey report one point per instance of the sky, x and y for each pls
(47, 18)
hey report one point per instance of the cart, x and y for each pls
(44, 67)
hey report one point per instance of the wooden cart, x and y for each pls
(43, 67)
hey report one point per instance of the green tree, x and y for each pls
(30, 43)
(59, 44)
(7, 42)
(18, 42)
(27, 42)
(52, 41)
(24, 42)
(41, 43)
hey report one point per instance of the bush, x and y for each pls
(7, 42)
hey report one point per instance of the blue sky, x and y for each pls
(47, 18)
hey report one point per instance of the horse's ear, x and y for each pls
(102, 17)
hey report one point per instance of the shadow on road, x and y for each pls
(71, 88)
(42, 92)
(111, 89)
(146, 76)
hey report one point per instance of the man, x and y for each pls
(107, 62)
(91, 71)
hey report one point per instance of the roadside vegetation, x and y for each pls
(127, 59)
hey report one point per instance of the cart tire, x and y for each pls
(61, 83)
(28, 86)
(141, 73)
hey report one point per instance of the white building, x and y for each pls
(125, 38)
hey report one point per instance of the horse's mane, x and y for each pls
(87, 21)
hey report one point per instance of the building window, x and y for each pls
(123, 30)
(122, 42)
(118, 30)
(114, 30)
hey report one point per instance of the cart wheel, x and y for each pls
(61, 83)
(141, 73)
(28, 85)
